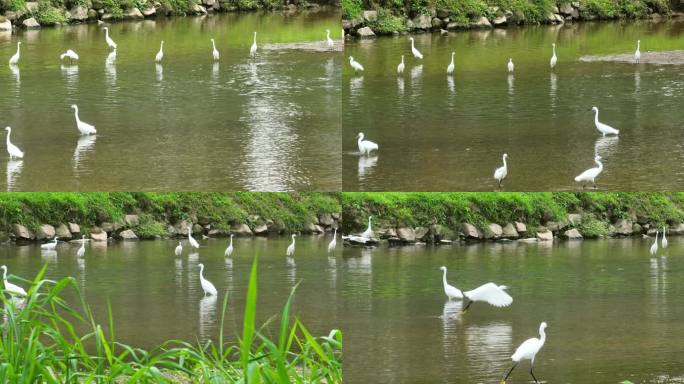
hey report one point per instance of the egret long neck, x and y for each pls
(452, 57)
(76, 114)
(542, 335)
(596, 116)
(444, 282)
(18, 48)
(504, 161)
(254, 37)
(231, 241)
(8, 135)
(554, 50)
(369, 223)
(600, 165)
(293, 241)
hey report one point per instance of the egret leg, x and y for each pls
(595, 187)
(509, 373)
(532, 373)
(470, 302)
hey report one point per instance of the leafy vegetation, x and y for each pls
(387, 23)
(49, 14)
(41, 343)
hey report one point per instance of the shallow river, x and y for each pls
(186, 124)
(449, 133)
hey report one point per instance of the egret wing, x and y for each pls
(492, 294)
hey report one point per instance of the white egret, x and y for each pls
(333, 242)
(450, 67)
(528, 351)
(179, 249)
(214, 52)
(81, 251)
(69, 54)
(229, 250)
(603, 128)
(365, 146)
(9, 287)
(591, 174)
(14, 60)
(207, 286)
(637, 53)
(253, 48)
(160, 54)
(368, 233)
(400, 67)
(654, 246)
(511, 66)
(490, 293)
(554, 59)
(355, 64)
(501, 172)
(50, 246)
(416, 53)
(110, 42)
(12, 149)
(664, 241)
(83, 127)
(291, 248)
(330, 41)
(191, 240)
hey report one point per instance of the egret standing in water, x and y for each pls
(110, 42)
(214, 52)
(14, 60)
(179, 249)
(291, 249)
(501, 172)
(207, 286)
(253, 48)
(12, 149)
(400, 67)
(9, 287)
(333, 243)
(191, 240)
(365, 146)
(83, 127)
(511, 66)
(81, 251)
(603, 128)
(160, 54)
(528, 351)
(591, 174)
(229, 250)
(637, 53)
(355, 64)
(654, 246)
(450, 67)
(50, 246)
(416, 53)
(490, 293)
(664, 241)
(328, 40)
(69, 54)
(368, 233)
(554, 59)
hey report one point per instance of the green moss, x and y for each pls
(591, 227)
(351, 8)
(49, 14)
(13, 5)
(387, 23)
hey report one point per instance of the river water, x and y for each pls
(439, 133)
(187, 124)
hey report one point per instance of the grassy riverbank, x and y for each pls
(288, 212)
(599, 210)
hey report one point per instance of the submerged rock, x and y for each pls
(365, 32)
(98, 234)
(241, 230)
(74, 228)
(128, 235)
(509, 232)
(62, 231)
(493, 231)
(406, 234)
(22, 233)
(45, 231)
(30, 23)
(545, 235)
(470, 231)
(572, 234)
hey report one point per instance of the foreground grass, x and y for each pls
(40, 344)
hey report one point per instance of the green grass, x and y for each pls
(49, 14)
(41, 342)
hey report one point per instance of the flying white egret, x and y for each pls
(416, 53)
(81, 251)
(191, 240)
(83, 127)
(603, 128)
(368, 233)
(333, 242)
(214, 52)
(9, 287)
(110, 42)
(490, 293)
(160, 54)
(207, 286)
(14, 60)
(400, 67)
(450, 67)
(528, 351)
(69, 54)
(179, 249)
(50, 246)
(664, 241)
(229, 250)
(511, 66)
(591, 174)
(253, 48)
(12, 149)
(554, 59)
(355, 64)
(654, 246)
(365, 146)
(291, 248)
(637, 53)
(328, 40)
(501, 172)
